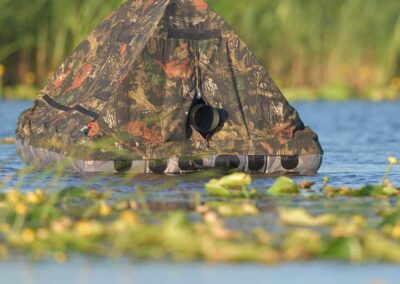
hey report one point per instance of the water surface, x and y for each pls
(121, 272)
(357, 138)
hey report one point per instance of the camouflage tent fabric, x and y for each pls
(133, 81)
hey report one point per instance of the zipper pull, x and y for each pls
(199, 95)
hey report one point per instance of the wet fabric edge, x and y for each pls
(85, 147)
(41, 158)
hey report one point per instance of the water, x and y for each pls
(357, 138)
(197, 273)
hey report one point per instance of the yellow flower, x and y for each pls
(39, 193)
(396, 232)
(28, 235)
(35, 197)
(32, 198)
(88, 228)
(2, 70)
(358, 220)
(21, 209)
(105, 209)
(43, 234)
(60, 226)
(393, 160)
(13, 196)
(83, 228)
(128, 218)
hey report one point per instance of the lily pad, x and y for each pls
(376, 190)
(231, 185)
(300, 217)
(282, 186)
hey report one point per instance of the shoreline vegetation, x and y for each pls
(44, 224)
(334, 93)
(324, 50)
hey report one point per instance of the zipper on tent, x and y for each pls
(199, 96)
(199, 92)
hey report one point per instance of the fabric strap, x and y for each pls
(51, 102)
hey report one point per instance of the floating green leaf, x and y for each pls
(233, 208)
(300, 217)
(376, 190)
(284, 185)
(345, 249)
(231, 185)
(73, 192)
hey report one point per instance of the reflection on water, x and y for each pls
(357, 138)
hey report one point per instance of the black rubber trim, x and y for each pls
(256, 163)
(122, 166)
(227, 162)
(86, 112)
(158, 166)
(56, 105)
(290, 162)
(78, 108)
(193, 35)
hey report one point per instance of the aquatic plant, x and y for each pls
(230, 185)
(76, 220)
(341, 48)
(2, 72)
(284, 185)
(43, 224)
(392, 161)
(8, 140)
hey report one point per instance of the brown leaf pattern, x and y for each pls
(140, 80)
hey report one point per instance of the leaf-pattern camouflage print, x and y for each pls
(126, 91)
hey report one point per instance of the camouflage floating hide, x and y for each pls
(121, 101)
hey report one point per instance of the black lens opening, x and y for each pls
(203, 118)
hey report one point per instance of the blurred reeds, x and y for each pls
(342, 48)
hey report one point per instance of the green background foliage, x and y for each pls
(313, 48)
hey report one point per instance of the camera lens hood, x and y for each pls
(204, 118)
